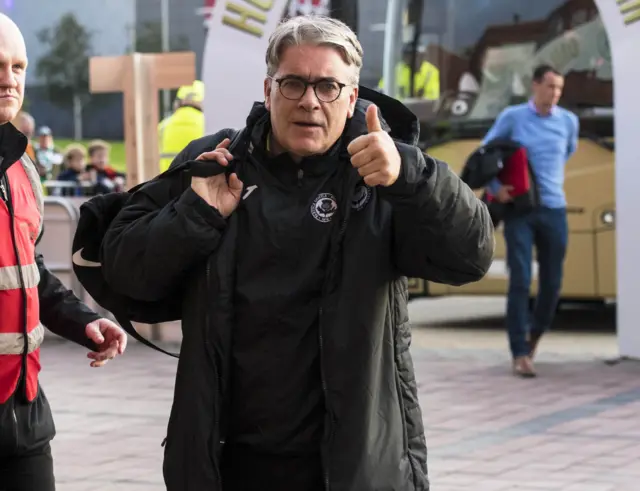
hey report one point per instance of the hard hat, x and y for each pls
(191, 93)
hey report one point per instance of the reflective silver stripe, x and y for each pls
(10, 279)
(13, 343)
(168, 155)
(36, 185)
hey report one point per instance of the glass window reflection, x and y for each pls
(483, 52)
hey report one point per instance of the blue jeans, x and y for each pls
(547, 229)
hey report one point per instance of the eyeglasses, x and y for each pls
(294, 88)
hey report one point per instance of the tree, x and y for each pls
(149, 39)
(65, 66)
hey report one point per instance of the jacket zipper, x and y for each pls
(341, 232)
(6, 191)
(14, 416)
(324, 391)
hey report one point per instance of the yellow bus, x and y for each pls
(485, 52)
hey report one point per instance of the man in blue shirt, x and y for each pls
(549, 134)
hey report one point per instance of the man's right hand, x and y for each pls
(216, 191)
(504, 194)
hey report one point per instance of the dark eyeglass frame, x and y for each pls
(306, 84)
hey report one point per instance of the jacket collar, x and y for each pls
(283, 164)
(13, 145)
(533, 107)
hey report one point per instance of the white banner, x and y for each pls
(234, 68)
(622, 22)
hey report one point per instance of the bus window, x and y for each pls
(484, 53)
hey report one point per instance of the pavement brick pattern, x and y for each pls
(575, 428)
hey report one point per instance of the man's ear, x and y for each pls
(353, 97)
(267, 93)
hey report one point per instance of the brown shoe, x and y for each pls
(523, 367)
(534, 339)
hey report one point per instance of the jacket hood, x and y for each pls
(395, 117)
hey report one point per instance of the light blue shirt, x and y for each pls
(550, 139)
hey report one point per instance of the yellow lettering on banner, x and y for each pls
(262, 4)
(246, 14)
(630, 11)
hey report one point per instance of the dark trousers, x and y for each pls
(245, 470)
(29, 472)
(547, 230)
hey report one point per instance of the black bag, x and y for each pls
(96, 216)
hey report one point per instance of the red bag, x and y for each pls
(516, 173)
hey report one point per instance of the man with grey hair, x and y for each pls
(287, 246)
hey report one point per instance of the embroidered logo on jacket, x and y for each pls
(361, 197)
(324, 207)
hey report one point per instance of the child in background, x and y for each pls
(74, 170)
(106, 178)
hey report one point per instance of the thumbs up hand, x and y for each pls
(375, 154)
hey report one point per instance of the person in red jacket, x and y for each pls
(31, 297)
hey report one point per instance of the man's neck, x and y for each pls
(543, 109)
(274, 149)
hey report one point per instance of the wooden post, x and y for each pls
(139, 77)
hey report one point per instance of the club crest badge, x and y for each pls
(324, 207)
(361, 197)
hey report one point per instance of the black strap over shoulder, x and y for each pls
(128, 327)
(237, 147)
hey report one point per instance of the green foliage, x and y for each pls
(149, 39)
(64, 67)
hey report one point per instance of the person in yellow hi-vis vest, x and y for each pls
(184, 125)
(426, 81)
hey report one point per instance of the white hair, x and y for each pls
(315, 30)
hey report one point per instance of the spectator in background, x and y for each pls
(184, 125)
(107, 179)
(550, 135)
(75, 171)
(46, 153)
(26, 125)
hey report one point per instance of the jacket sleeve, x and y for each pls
(60, 310)
(442, 231)
(160, 234)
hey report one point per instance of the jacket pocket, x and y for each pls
(35, 427)
(8, 428)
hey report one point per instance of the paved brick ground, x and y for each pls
(575, 428)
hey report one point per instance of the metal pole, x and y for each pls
(165, 47)
(390, 47)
